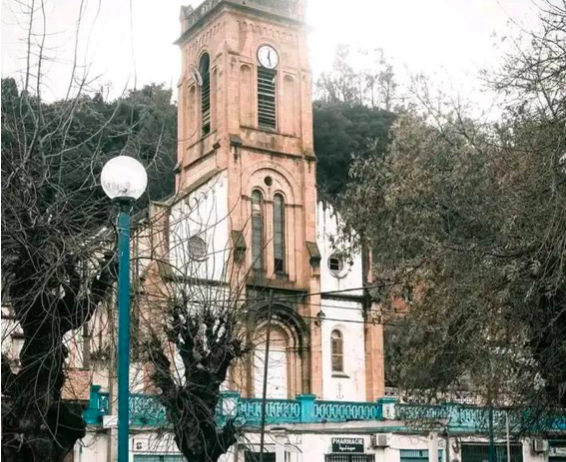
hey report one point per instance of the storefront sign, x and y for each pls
(155, 444)
(347, 445)
(557, 451)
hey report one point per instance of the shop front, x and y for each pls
(348, 450)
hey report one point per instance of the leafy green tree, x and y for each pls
(342, 130)
(145, 126)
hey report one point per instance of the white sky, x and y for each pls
(127, 41)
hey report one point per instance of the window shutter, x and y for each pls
(205, 94)
(266, 98)
(279, 233)
(257, 231)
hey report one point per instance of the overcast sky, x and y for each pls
(127, 42)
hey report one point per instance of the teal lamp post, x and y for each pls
(124, 180)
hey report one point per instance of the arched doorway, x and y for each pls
(277, 363)
(288, 362)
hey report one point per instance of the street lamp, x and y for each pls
(124, 180)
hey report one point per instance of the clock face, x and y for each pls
(267, 57)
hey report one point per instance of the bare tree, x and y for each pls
(50, 208)
(193, 317)
(349, 82)
(57, 238)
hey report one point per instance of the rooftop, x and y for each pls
(289, 9)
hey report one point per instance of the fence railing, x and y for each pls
(146, 410)
(476, 419)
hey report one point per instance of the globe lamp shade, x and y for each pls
(123, 177)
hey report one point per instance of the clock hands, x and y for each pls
(268, 57)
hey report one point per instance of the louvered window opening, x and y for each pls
(279, 233)
(257, 231)
(255, 457)
(205, 94)
(267, 107)
(335, 264)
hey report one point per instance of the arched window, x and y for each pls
(246, 97)
(204, 68)
(337, 347)
(266, 98)
(257, 231)
(277, 364)
(289, 113)
(279, 233)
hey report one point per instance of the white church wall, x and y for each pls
(351, 274)
(203, 214)
(346, 317)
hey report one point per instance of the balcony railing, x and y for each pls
(146, 410)
(340, 411)
(476, 419)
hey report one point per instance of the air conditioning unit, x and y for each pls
(540, 445)
(379, 441)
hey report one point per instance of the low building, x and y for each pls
(308, 429)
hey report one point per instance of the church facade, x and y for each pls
(246, 221)
(246, 150)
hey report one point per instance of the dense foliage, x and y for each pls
(468, 224)
(342, 130)
(352, 114)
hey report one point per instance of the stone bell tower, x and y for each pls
(245, 83)
(245, 112)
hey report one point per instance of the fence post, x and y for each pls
(228, 405)
(388, 410)
(93, 413)
(307, 408)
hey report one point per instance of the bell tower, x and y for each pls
(245, 113)
(245, 82)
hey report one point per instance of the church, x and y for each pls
(246, 218)
(246, 148)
